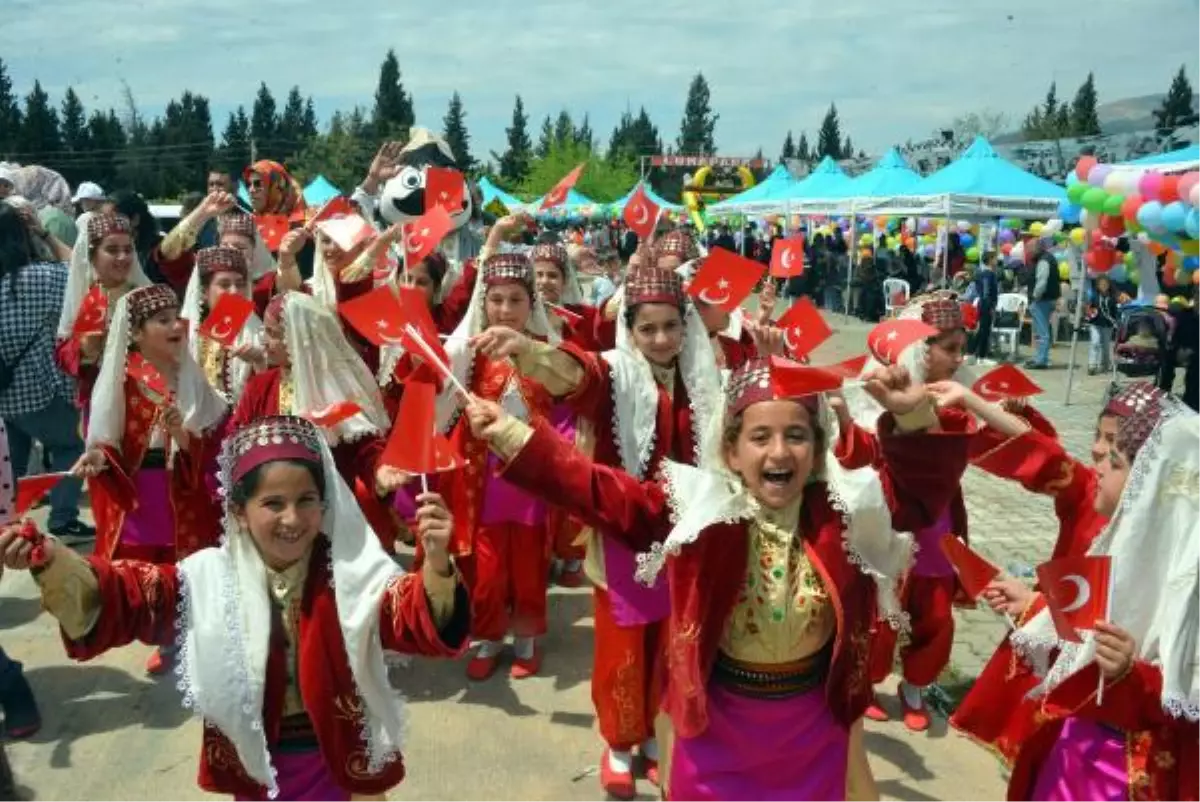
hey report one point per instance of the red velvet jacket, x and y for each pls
(706, 576)
(139, 600)
(735, 353)
(592, 332)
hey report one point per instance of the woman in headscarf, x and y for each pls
(1037, 703)
(104, 265)
(218, 271)
(313, 370)
(501, 535)
(151, 435)
(775, 571)
(558, 287)
(639, 404)
(276, 200)
(283, 627)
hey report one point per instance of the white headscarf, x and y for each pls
(635, 391)
(326, 370)
(81, 276)
(251, 334)
(1154, 541)
(462, 355)
(703, 496)
(225, 626)
(200, 405)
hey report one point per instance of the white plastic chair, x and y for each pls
(890, 287)
(1011, 302)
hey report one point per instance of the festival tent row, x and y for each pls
(765, 196)
(1177, 161)
(491, 192)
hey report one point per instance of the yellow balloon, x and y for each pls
(1077, 235)
(1064, 270)
(1035, 228)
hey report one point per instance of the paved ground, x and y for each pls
(112, 733)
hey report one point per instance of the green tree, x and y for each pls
(634, 137)
(41, 138)
(10, 114)
(264, 124)
(1176, 110)
(106, 138)
(454, 129)
(788, 152)
(696, 131)
(803, 153)
(393, 114)
(135, 167)
(584, 135)
(293, 125)
(602, 179)
(308, 127)
(514, 163)
(235, 141)
(342, 154)
(829, 139)
(564, 128)
(847, 148)
(1084, 121)
(545, 139)
(75, 166)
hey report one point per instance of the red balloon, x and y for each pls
(1100, 259)
(1170, 189)
(1084, 166)
(1111, 225)
(1129, 208)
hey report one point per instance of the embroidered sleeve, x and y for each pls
(417, 617)
(511, 438)
(552, 368)
(70, 592)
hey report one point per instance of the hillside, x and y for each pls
(1132, 113)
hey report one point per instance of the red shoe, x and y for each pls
(157, 663)
(617, 784)
(480, 668)
(875, 711)
(524, 668)
(915, 718)
(571, 578)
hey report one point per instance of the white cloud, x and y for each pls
(896, 69)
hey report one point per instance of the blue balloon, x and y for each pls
(1190, 263)
(1174, 216)
(1072, 179)
(1118, 274)
(1069, 212)
(1192, 224)
(966, 240)
(1149, 217)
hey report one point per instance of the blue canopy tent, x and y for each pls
(889, 178)
(576, 205)
(619, 204)
(980, 183)
(826, 181)
(1176, 161)
(492, 192)
(762, 197)
(320, 191)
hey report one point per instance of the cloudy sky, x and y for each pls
(896, 68)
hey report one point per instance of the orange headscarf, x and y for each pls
(284, 196)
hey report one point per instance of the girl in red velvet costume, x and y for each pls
(502, 534)
(148, 452)
(282, 628)
(103, 257)
(772, 572)
(642, 402)
(313, 368)
(1036, 702)
(558, 286)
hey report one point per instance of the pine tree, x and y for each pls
(829, 140)
(106, 137)
(1084, 121)
(1050, 104)
(40, 132)
(584, 135)
(10, 114)
(264, 124)
(699, 122)
(308, 127)
(802, 149)
(1175, 112)
(546, 139)
(847, 148)
(291, 124)
(454, 129)
(74, 123)
(514, 164)
(235, 141)
(564, 128)
(1062, 122)
(393, 115)
(788, 152)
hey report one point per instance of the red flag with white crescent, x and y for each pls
(787, 258)
(641, 213)
(1005, 381)
(332, 414)
(93, 313)
(558, 195)
(445, 187)
(804, 328)
(725, 279)
(227, 319)
(887, 340)
(974, 572)
(423, 235)
(1076, 591)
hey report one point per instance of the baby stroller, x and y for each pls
(1141, 343)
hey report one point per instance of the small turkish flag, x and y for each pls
(558, 195)
(564, 313)
(1006, 381)
(850, 368)
(93, 311)
(422, 235)
(803, 328)
(227, 318)
(32, 488)
(444, 187)
(376, 315)
(1076, 590)
(415, 310)
(970, 316)
(641, 213)
(341, 206)
(787, 258)
(145, 374)
(414, 445)
(272, 228)
(793, 380)
(974, 572)
(725, 279)
(348, 231)
(889, 338)
(331, 415)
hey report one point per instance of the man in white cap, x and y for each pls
(89, 197)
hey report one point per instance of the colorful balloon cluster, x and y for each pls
(1110, 202)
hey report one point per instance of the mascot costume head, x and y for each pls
(403, 197)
